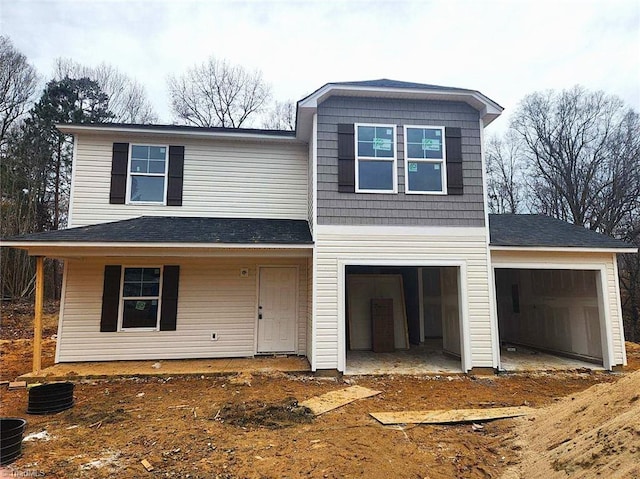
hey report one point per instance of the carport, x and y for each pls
(556, 294)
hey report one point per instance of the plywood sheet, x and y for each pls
(361, 289)
(335, 399)
(446, 416)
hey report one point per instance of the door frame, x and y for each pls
(296, 346)
(602, 292)
(465, 334)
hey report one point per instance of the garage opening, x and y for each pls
(402, 320)
(549, 318)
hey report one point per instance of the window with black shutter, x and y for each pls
(147, 174)
(140, 298)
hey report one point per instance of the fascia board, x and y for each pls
(485, 105)
(563, 249)
(96, 129)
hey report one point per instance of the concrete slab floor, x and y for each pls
(426, 358)
(525, 359)
(171, 367)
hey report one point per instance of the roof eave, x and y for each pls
(564, 249)
(77, 249)
(489, 110)
(74, 129)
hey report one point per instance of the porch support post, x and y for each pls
(37, 323)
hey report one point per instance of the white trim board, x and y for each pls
(389, 230)
(176, 132)
(491, 281)
(606, 332)
(564, 249)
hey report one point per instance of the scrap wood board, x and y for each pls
(445, 416)
(335, 399)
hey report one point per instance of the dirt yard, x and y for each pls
(251, 426)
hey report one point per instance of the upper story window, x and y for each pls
(425, 166)
(375, 158)
(140, 298)
(148, 174)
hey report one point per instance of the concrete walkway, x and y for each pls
(172, 367)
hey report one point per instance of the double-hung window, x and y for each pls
(375, 158)
(140, 298)
(424, 157)
(148, 174)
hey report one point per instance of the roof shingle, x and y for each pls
(541, 230)
(165, 229)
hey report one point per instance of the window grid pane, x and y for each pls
(140, 314)
(425, 143)
(147, 188)
(376, 141)
(424, 176)
(375, 175)
(141, 282)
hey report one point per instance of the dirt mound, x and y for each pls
(595, 433)
(267, 415)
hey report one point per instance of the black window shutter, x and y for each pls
(454, 161)
(110, 298)
(119, 163)
(176, 172)
(169, 308)
(346, 159)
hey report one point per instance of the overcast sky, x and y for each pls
(505, 49)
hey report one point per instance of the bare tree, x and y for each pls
(505, 174)
(218, 93)
(18, 80)
(583, 150)
(583, 153)
(128, 99)
(281, 116)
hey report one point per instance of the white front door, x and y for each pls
(277, 311)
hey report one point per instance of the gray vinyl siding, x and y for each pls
(398, 209)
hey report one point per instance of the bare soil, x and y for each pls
(252, 427)
(595, 433)
(16, 319)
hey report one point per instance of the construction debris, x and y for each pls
(147, 465)
(17, 384)
(452, 416)
(335, 399)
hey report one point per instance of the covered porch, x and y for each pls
(165, 289)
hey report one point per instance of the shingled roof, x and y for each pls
(544, 231)
(163, 229)
(387, 83)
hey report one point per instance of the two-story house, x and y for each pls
(364, 229)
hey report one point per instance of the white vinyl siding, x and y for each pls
(213, 297)
(222, 178)
(570, 260)
(406, 246)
